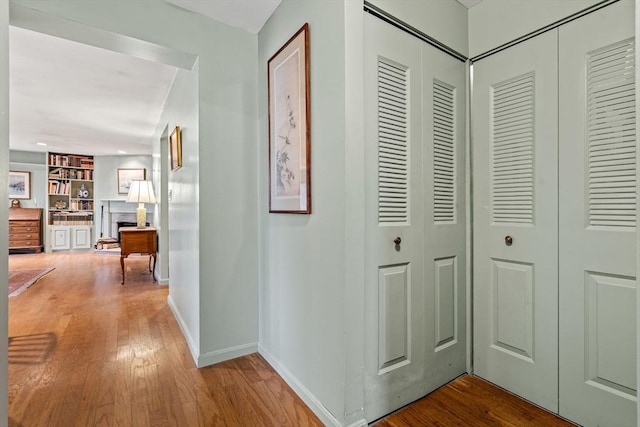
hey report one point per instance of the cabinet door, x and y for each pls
(598, 218)
(81, 237)
(515, 219)
(60, 238)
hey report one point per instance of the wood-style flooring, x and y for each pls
(87, 351)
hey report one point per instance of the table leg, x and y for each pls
(122, 267)
(153, 272)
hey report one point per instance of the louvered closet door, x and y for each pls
(394, 337)
(415, 294)
(598, 218)
(515, 219)
(445, 220)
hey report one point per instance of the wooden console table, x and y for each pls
(135, 240)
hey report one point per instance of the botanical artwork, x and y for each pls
(19, 185)
(289, 142)
(127, 175)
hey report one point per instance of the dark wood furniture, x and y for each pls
(135, 240)
(25, 230)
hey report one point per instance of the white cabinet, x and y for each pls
(60, 238)
(64, 237)
(80, 237)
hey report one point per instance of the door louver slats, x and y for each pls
(512, 150)
(444, 161)
(393, 143)
(611, 134)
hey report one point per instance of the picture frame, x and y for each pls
(289, 126)
(19, 185)
(175, 148)
(126, 175)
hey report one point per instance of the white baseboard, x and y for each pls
(185, 332)
(224, 354)
(163, 282)
(307, 397)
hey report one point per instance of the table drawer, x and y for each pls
(24, 235)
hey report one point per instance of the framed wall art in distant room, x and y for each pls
(175, 148)
(289, 127)
(126, 175)
(19, 185)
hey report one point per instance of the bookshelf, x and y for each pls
(70, 203)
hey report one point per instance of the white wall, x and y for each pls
(181, 109)
(105, 187)
(302, 295)
(226, 230)
(4, 231)
(444, 20)
(495, 22)
(34, 163)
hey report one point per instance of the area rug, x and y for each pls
(20, 280)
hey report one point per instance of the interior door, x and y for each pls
(394, 213)
(443, 103)
(415, 296)
(515, 219)
(598, 218)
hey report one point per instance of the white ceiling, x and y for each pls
(79, 98)
(469, 3)
(83, 99)
(247, 14)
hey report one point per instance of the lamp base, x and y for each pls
(141, 216)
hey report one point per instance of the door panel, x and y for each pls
(597, 219)
(445, 328)
(415, 308)
(515, 219)
(394, 362)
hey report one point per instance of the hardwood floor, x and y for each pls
(87, 351)
(471, 401)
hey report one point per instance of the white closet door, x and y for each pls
(445, 220)
(394, 338)
(598, 218)
(415, 334)
(515, 219)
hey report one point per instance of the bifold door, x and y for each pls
(515, 241)
(415, 265)
(555, 219)
(598, 218)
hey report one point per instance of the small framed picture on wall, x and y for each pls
(19, 185)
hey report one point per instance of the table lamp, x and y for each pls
(141, 192)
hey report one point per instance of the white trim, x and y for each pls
(163, 282)
(225, 354)
(307, 397)
(185, 331)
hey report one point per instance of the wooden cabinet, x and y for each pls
(135, 240)
(25, 229)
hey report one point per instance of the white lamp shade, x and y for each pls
(141, 192)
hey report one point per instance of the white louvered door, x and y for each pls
(515, 219)
(415, 328)
(598, 219)
(394, 272)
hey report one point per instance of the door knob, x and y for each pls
(397, 240)
(508, 240)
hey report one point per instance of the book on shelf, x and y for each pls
(71, 218)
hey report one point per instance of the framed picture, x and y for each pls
(289, 127)
(126, 175)
(175, 148)
(19, 185)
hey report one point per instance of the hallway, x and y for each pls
(86, 351)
